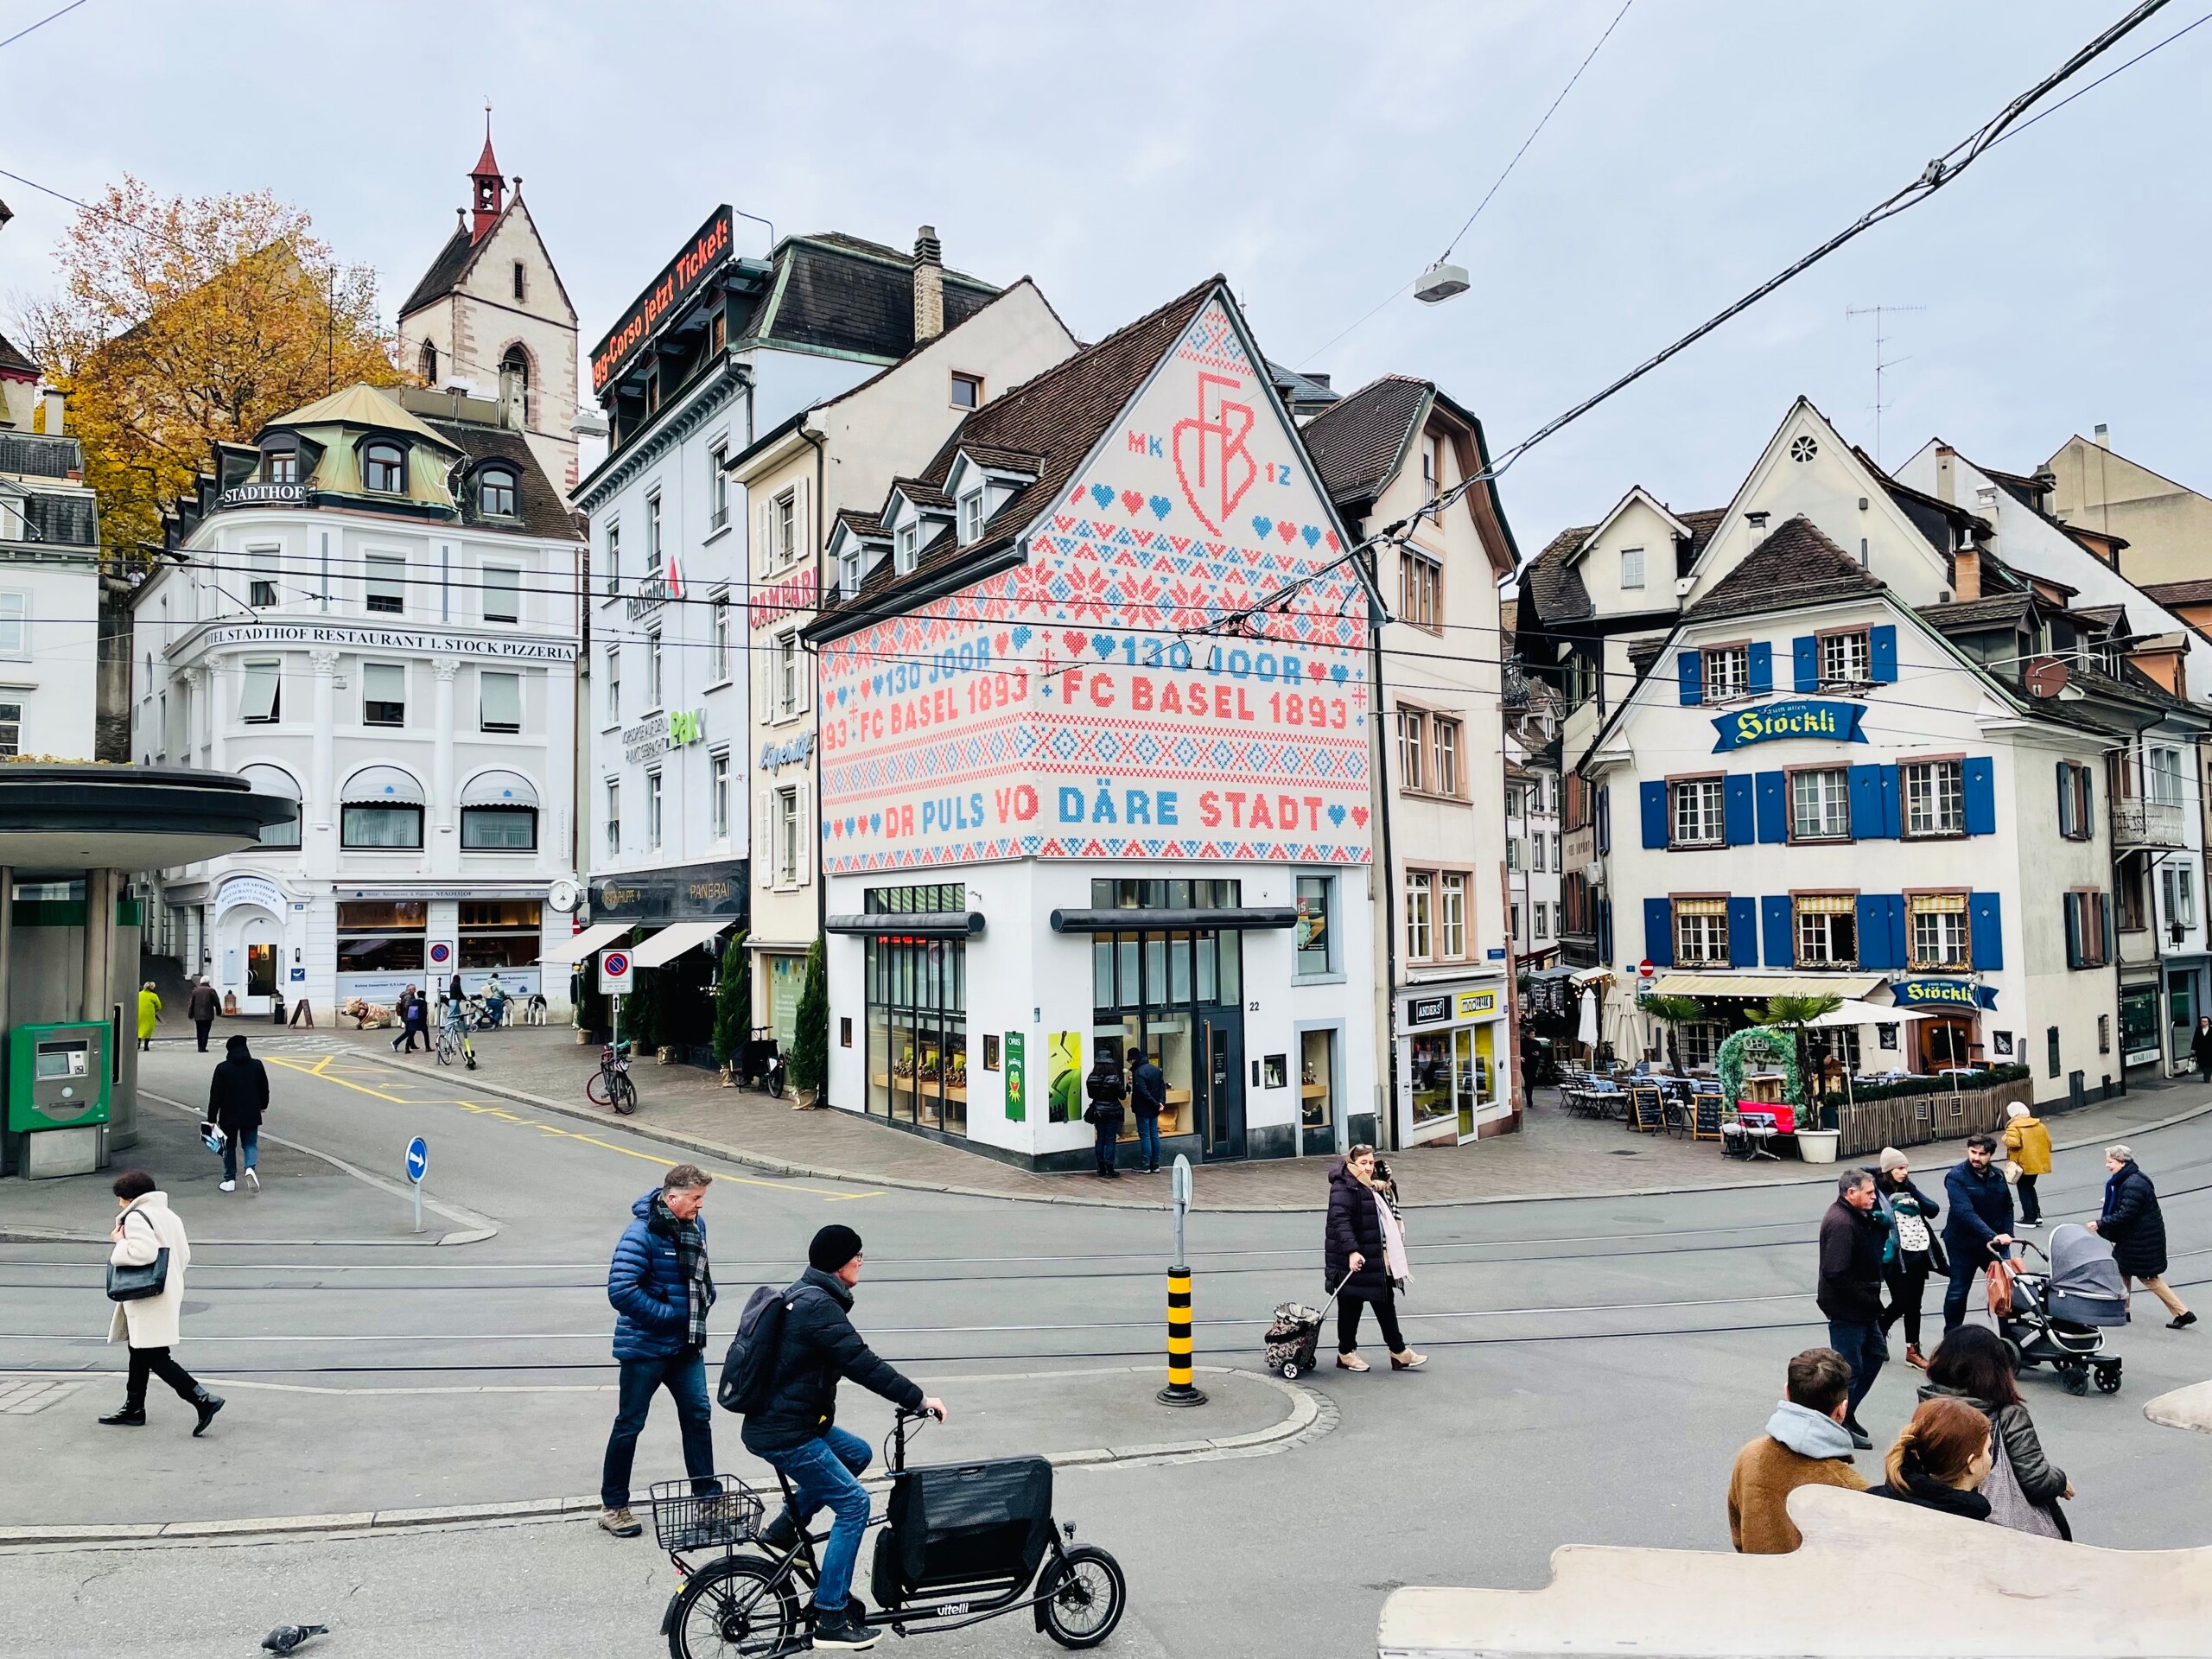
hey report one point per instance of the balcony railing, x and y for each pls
(2140, 822)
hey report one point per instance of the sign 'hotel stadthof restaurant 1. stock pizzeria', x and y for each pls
(1110, 808)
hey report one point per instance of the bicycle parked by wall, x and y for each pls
(610, 1085)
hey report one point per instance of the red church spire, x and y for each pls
(491, 187)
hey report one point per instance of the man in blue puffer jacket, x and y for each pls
(661, 1289)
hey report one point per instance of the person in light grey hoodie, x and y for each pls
(1805, 1444)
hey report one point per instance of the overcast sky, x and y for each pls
(1320, 155)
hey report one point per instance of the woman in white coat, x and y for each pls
(145, 1228)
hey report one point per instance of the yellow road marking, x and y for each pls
(483, 1110)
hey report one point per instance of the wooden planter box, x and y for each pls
(1915, 1119)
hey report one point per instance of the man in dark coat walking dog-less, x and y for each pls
(1854, 1237)
(661, 1288)
(1980, 1227)
(237, 1096)
(202, 1008)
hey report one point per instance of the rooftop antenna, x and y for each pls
(1881, 342)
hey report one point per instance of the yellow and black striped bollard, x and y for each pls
(1180, 1391)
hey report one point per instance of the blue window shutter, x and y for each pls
(1892, 805)
(1659, 931)
(1654, 799)
(1882, 654)
(1742, 933)
(1805, 661)
(1873, 931)
(1762, 667)
(1689, 676)
(1774, 805)
(1979, 775)
(1604, 929)
(1781, 940)
(1900, 956)
(1736, 808)
(1604, 816)
(1867, 803)
(1986, 914)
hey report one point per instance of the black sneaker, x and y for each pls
(782, 1533)
(842, 1632)
(1859, 1438)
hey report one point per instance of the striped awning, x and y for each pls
(1759, 987)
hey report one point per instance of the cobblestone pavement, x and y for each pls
(1555, 1156)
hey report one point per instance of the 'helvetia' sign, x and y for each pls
(1838, 722)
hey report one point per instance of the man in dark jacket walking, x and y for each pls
(1854, 1237)
(797, 1430)
(661, 1289)
(237, 1096)
(1980, 1227)
(1103, 1114)
(1148, 1099)
(414, 1020)
(200, 1007)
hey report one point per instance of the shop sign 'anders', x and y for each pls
(1834, 722)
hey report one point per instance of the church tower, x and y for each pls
(491, 317)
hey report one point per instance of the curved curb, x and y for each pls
(791, 1171)
(2183, 1408)
(1312, 1414)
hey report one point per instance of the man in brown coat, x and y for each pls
(201, 1006)
(1805, 1444)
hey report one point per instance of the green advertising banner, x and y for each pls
(1017, 1085)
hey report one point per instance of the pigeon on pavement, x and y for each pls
(285, 1637)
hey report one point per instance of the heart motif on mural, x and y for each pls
(876, 685)
(1337, 815)
(1133, 502)
(874, 823)
(1021, 637)
(1330, 538)
(1210, 458)
(1359, 817)
(1102, 494)
(1262, 526)
(1311, 533)
(1286, 529)
(1161, 506)
(1314, 670)
(1336, 673)
(998, 645)
(1075, 495)
(1104, 644)
(1074, 643)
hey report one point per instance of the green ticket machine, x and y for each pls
(58, 1096)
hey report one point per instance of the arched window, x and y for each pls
(495, 493)
(384, 467)
(275, 780)
(514, 379)
(429, 364)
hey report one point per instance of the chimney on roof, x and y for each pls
(1945, 457)
(929, 284)
(2103, 436)
(1965, 573)
(1758, 522)
(53, 406)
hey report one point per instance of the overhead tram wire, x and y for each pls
(1939, 172)
(41, 23)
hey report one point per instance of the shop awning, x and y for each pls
(1171, 921)
(577, 946)
(381, 786)
(1759, 987)
(918, 924)
(1853, 1012)
(674, 940)
(499, 788)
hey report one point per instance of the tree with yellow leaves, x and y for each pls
(182, 320)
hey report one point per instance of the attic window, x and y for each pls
(495, 493)
(281, 466)
(1803, 448)
(909, 548)
(967, 391)
(522, 282)
(384, 468)
(971, 516)
(849, 582)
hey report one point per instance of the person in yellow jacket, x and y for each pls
(2028, 1144)
(149, 1010)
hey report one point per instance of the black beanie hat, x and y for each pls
(833, 1247)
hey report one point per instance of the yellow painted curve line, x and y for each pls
(317, 1072)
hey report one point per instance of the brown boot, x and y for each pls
(1915, 1358)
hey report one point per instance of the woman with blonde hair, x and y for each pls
(149, 1011)
(1940, 1460)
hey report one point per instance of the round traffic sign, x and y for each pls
(617, 963)
(418, 1158)
(441, 954)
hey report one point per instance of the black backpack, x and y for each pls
(749, 1367)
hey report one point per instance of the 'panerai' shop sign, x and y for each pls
(1836, 723)
(1943, 992)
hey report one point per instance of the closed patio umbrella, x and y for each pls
(1586, 1030)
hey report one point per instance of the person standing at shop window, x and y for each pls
(1105, 1088)
(1148, 1099)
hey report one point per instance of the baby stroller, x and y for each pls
(2058, 1317)
(1294, 1335)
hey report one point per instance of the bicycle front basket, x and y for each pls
(729, 1513)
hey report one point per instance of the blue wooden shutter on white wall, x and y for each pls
(1874, 932)
(1979, 777)
(1689, 676)
(1882, 654)
(1986, 914)
(1653, 798)
(1781, 920)
(1762, 667)
(1736, 814)
(1866, 820)
(1805, 661)
(1774, 806)
(1659, 931)
(1742, 933)
(1604, 817)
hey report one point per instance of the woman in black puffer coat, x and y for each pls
(2135, 1227)
(1354, 1262)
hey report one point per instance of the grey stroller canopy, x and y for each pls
(2085, 1281)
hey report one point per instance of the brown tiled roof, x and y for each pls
(1979, 613)
(544, 512)
(1796, 565)
(2198, 592)
(2104, 616)
(1553, 584)
(1059, 416)
(1004, 461)
(13, 361)
(1702, 524)
(1357, 441)
(921, 494)
(860, 522)
(845, 293)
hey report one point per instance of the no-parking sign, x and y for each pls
(615, 973)
(441, 954)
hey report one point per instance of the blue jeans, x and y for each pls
(251, 1140)
(1148, 1138)
(1863, 1346)
(1966, 1267)
(684, 1376)
(825, 1471)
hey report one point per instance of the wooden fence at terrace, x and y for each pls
(1915, 1119)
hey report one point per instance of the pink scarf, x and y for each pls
(1394, 1242)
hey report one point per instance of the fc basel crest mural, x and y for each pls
(1075, 707)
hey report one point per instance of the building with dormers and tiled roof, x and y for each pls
(1851, 736)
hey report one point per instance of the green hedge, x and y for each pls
(1987, 1077)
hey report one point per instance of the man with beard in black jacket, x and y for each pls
(796, 1431)
(1854, 1235)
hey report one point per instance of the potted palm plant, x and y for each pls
(1672, 1012)
(1816, 1136)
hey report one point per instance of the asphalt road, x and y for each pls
(1595, 1365)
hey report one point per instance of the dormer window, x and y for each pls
(496, 492)
(909, 548)
(850, 581)
(971, 516)
(384, 468)
(281, 466)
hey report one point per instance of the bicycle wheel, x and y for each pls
(1087, 1596)
(595, 1088)
(447, 1048)
(731, 1607)
(774, 1083)
(624, 1094)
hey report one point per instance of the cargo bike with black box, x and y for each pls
(959, 1543)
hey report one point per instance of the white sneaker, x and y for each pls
(226, 1186)
(253, 1180)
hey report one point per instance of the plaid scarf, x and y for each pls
(690, 1240)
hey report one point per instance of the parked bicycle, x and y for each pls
(454, 1043)
(959, 1543)
(761, 1063)
(610, 1085)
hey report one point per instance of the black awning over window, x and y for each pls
(910, 924)
(1133, 920)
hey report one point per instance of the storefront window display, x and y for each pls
(1454, 1074)
(499, 933)
(917, 1014)
(383, 936)
(1317, 1073)
(1146, 989)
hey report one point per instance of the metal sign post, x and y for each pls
(418, 1166)
(1179, 1390)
